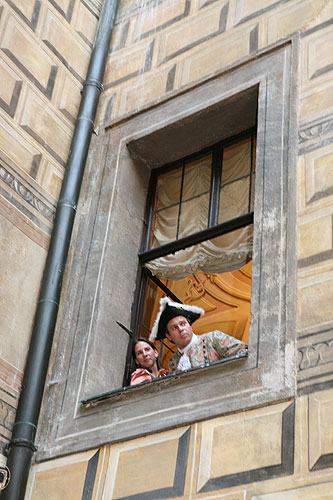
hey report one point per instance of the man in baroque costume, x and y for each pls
(174, 322)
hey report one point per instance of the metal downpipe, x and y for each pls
(22, 444)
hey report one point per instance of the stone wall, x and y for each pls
(160, 49)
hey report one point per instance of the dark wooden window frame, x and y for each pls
(213, 230)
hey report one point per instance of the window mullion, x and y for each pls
(180, 200)
(149, 212)
(251, 173)
(214, 200)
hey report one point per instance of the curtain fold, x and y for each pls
(181, 208)
(222, 254)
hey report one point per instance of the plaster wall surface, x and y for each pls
(44, 51)
(160, 50)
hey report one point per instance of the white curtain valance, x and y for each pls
(223, 254)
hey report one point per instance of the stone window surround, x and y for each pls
(268, 374)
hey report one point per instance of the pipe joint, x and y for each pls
(67, 203)
(93, 83)
(21, 442)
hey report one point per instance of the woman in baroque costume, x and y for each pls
(146, 359)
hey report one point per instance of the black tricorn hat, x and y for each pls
(169, 310)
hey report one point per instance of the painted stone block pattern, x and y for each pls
(188, 462)
(59, 39)
(10, 89)
(39, 97)
(27, 10)
(24, 52)
(46, 128)
(321, 430)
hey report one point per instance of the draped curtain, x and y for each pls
(174, 220)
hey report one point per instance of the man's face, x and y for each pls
(179, 331)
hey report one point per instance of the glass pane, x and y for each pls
(149, 300)
(194, 215)
(234, 199)
(194, 206)
(164, 226)
(236, 161)
(168, 189)
(197, 177)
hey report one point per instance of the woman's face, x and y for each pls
(145, 355)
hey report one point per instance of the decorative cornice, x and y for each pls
(26, 194)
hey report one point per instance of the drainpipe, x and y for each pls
(22, 444)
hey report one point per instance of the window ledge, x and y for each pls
(166, 380)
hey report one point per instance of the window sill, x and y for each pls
(144, 387)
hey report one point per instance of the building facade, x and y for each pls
(182, 76)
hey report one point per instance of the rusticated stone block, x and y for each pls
(321, 430)
(15, 147)
(65, 7)
(313, 307)
(28, 10)
(217, 54)
(160, 16)
(50, 177)
(315, 238)
(85, 24)
(70, 98)
(317, 102)
(318, 174)
(125, 66)
(60, 40)
(64, 477)
(249, 9)
(157, 466)
(46, 128)
(264, 436)
(34, 63)
(316, 56)
(194, 32)
(145, 91)
(10, 89)
(293, 16)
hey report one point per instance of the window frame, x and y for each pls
(214, 228)
(134, 145)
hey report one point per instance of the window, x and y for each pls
(198, 239)
(91, 348)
